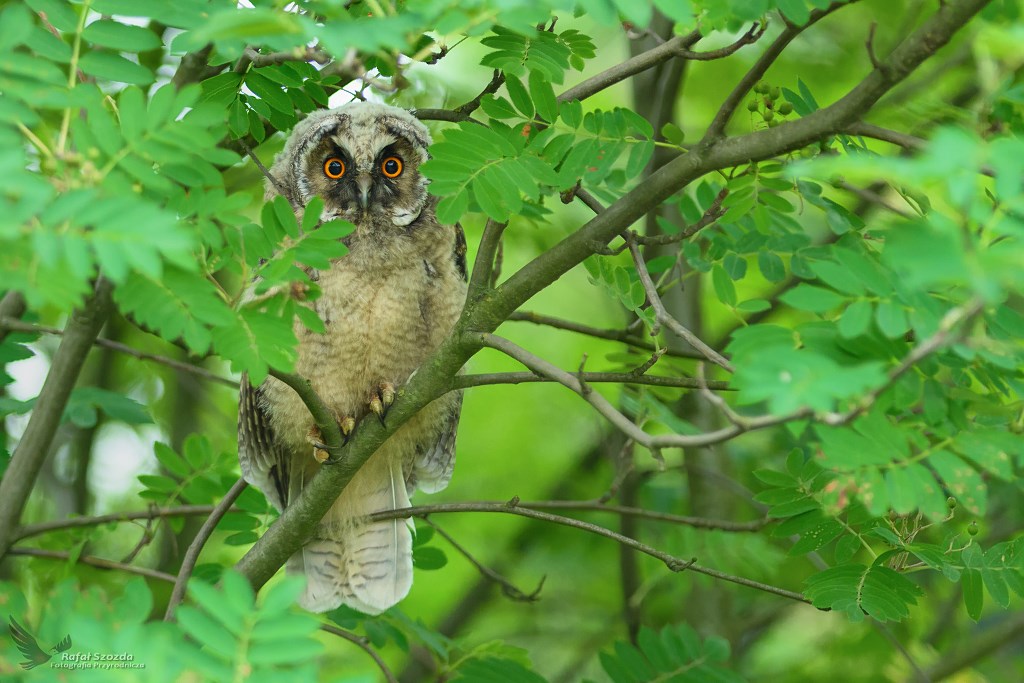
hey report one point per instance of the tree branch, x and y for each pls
(97, 562)
(7, 323)
(760, 67)
(30, 530)
(196, 547)
(662, 53)
(483, 266)
(434, 376)
(507, 587)
(908, 142)
(481, 380)
(662, 315)
(713, 154)
(512, 507)
(80, 333)
(364, 645)
(612, 335)
(12, 307)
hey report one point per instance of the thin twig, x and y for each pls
(144, 540)
(30, 530)
(662, 314)
(874, 198)
(612, 335)
(757, 71)
(507, 587)
(740, 424)
(751, 36)
(497, 80)
(196, 547)
(634, 377)
(97, 562)
(304, 54)
(271, 178)
(364, 645)
(443, 115)
(632, 66)
(15, 325)
(512, 507)
(904, 140)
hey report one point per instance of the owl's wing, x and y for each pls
(432, 469)
(264, 462)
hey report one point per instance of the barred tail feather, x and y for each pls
(367, 566)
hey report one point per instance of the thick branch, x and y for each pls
(979, 646)
(82, 330)
(12, 307)
(297, 522)
(712, 155)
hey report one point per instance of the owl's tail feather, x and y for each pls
(365, 565)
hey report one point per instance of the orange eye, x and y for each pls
(334, 168)
(391, 167)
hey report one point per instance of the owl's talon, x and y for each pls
(346, 425)
(381, 399)
(315, 438)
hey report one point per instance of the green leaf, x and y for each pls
(856, 319)
(543, 96)
(111, 67)
(974, 597)
(269, 92)
(725, 290)
(807, 297)
(891, 319)
(429, 557)
(520, 98)
(771, 266)
(879, 591)
(170, 461)
(795, 10)
(123, 37)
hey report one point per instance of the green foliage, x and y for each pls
(868, 300)
(243, 636)
(675, 654)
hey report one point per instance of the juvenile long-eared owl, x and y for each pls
(387, 305)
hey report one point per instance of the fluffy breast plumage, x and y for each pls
(386, 306)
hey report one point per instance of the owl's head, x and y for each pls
(362, 159)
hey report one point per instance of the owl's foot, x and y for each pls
(315, 437)
(381, 399)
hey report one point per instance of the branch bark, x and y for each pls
(192, 554)
(82, 329)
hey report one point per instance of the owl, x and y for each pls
(386, 305)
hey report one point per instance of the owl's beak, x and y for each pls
(364, 181)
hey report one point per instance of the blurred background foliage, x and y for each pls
(139, 433)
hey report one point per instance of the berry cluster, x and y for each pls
(768, 104)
